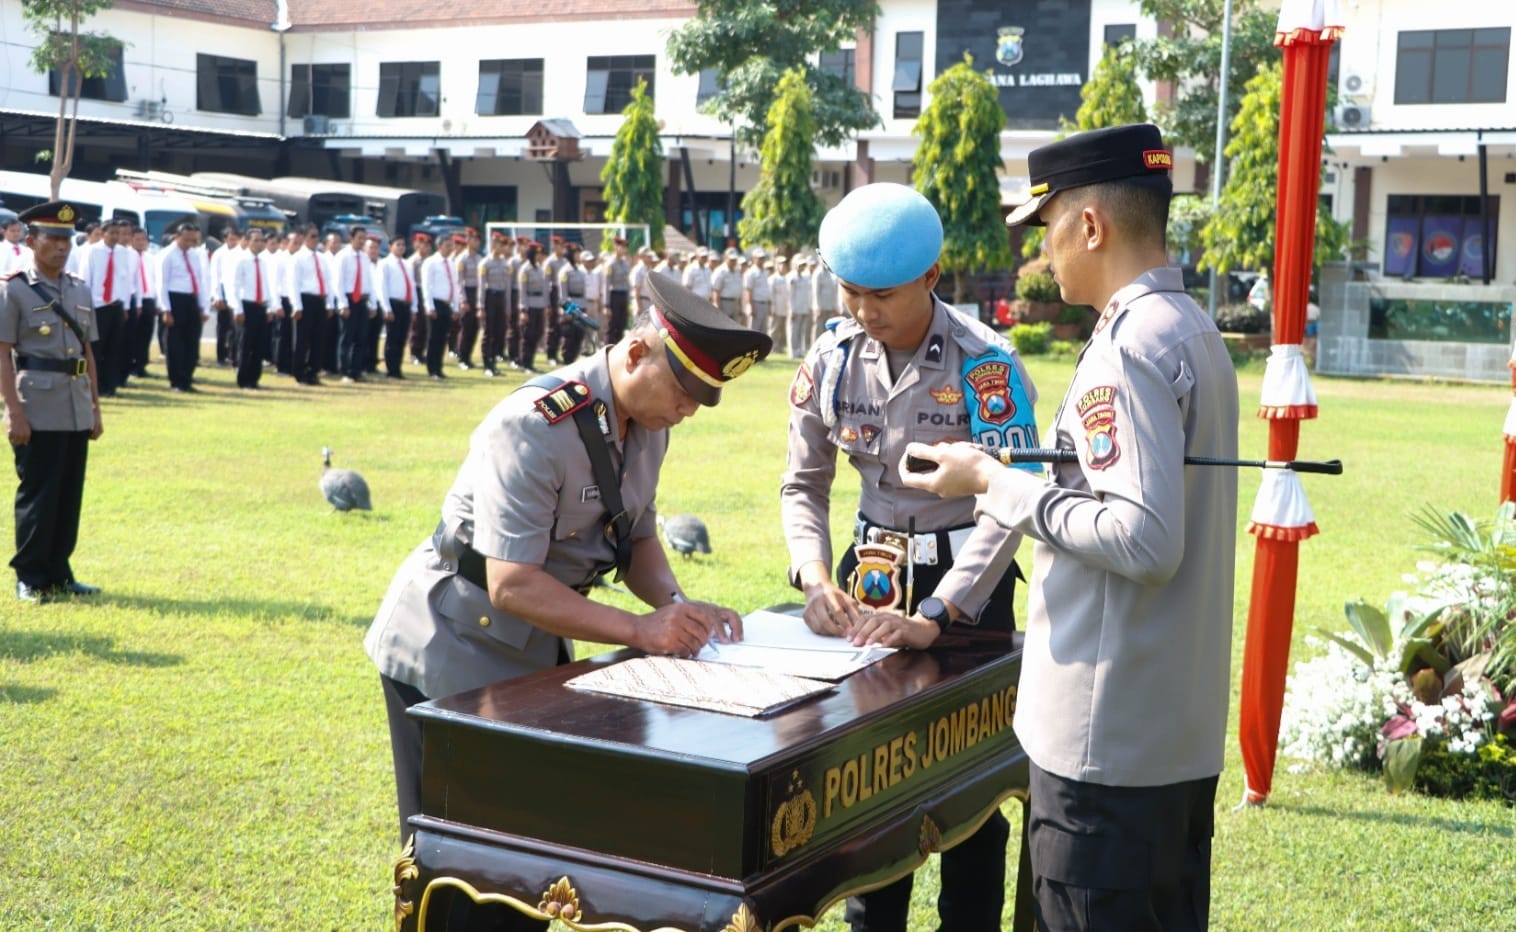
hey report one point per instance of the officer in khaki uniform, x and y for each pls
(52, 406)
(499, 589)
(1122, 705)
(903, 367)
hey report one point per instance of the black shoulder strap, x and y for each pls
(57, 304)
(587, 418)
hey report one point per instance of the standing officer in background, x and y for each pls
(551, 266)
(466, 267)
(531, 281)
(618, 287)
(251, 292)
(779, 313)
(823, 299)
(1133, 556)
(310, 286)
(495, 296)
(906, 367)
(378, 305)
(355, 285)
(696, 277)
(726, 286)
(801, 333)
(399, 291)
(755, 292)
(108, 275)
(140, 334)
(184, 304)
(499, 589)
(15, 255)
(439, 294)
(222, 262)
(52, 410)
(571, 289)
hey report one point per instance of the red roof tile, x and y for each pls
(407, 14)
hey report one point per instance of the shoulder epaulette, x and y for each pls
(563, 401)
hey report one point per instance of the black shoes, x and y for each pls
(75, 587)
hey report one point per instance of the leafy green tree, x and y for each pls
(633, 172)
(957, 167)
(1112, 96)
(76, 55)
(751, 43)
(1241, 232)
(1191, 60)
(782, 210)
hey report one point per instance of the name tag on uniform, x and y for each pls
(590, 493)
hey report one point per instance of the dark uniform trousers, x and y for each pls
(514, 327)
(372, 353)
(468, 328)
(972, 894)
(419, 328)
(305, 362)
(554, 334)
(251, 340)
(436, 336)
(494, 326)
(109, 350)
(283, 339)
(331, 328)
(1129, 858)
(354, 345)
(530, 322)
(141, 338)
(51, 469)
(183, 339)
(617, 326)
(225, 352)
(395, 331)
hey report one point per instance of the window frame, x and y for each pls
(216, 74)
(320, 105)
(1429, 63)
(402, 84)
(525, 93)
(609, 86)
(111, 87)
(906, 83)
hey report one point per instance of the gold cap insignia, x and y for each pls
(66, 214)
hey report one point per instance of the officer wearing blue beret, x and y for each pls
(52, 402)
(1134, 556)
(902, 366)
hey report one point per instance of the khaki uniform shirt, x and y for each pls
(533, 284)
(526, 494)
(571, 282)
(697, 278)
(495, 274)
(1125, 675)
(876, 418)
(727, 282)
(618, 275)
(53, 401)
(756, 282)
(468, 270)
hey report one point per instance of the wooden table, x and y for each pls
(610, 813)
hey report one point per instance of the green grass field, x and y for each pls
(204, 746)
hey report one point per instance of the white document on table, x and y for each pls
(783, 644)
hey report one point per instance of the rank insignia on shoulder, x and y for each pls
(563, 401)
(934, 348)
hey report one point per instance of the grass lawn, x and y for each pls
(204, 746)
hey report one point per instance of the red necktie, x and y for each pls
(142, 272)
(16, 247)
(320, 279)
(194, 285)
(357, 278)
(110, 274)
(407, 276)
(258, 276)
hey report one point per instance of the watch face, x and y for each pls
(933, 609)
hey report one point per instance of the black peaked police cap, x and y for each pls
(1134, 153)
(706, 349)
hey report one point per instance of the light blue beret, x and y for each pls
(880, 235)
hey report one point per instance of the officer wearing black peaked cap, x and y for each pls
(498, 590)
(49, 385)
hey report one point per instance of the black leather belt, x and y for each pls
(78, 366)
(471, 562)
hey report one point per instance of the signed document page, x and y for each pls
(690, 683)
(783, 644)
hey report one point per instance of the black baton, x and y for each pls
(1009, 455)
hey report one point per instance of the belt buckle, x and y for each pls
(81, 367)
(896, 539)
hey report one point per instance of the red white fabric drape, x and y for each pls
(1282, 516)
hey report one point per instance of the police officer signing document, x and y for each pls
(499, 590)
(903, 367)
(1124, 681)
(52, 407)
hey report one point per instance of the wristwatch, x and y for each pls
(934, 609)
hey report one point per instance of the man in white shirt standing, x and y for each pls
(109, 273)
(399, 290)
(823, 299)
(355, 281)
(140, 335)
(378, 306)
(439, 293)
(779, 291)
(15, 255)
(223, 264)
(310, 286)
(800, 308)
(183, 304)
(251, 291)
(696, 276)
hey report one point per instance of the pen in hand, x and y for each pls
(679, 599)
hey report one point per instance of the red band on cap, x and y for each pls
(690, 351)
(1157, 159)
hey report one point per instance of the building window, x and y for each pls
(110, 86)
(841, 63)
(907, 84)
(609, 80)
(1437, 235)
(509, 87)
(410, 88)
(226, 85)
(325, 90)
(710, 86)
(1117, 33)
(1452, 66)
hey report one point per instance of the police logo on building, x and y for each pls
(1008, 48)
